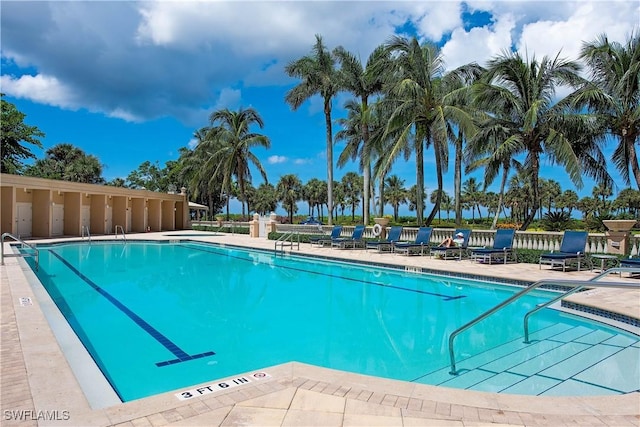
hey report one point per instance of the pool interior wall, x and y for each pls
(61, 336)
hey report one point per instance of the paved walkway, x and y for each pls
(39, 387)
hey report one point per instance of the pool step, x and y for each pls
(558, 361)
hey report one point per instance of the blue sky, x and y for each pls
(132, 81)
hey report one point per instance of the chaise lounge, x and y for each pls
(572, 250)
(386, 245)
(326, 240)
(422, 243)
(350, 242)
(502, 248)
(453, 252)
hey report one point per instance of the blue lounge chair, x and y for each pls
(326, 240)
(572, 250)
(502, 247)
(386, 245)
(630, 262)
(452, 252)
(350, 242)
(418, 246)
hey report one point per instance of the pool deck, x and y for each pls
(38, 386)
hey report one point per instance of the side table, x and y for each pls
(605, 260)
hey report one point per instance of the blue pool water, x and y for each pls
(161, 316)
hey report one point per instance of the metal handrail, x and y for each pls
(577, 285)
(85, 227)
(578, 288)
(284, 238)
(18, 239)
(124, 237)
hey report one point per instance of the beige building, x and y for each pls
(37, 207)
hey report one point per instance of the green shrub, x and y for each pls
(215, 228)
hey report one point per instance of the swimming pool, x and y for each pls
(157, 317)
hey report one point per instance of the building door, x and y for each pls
(128, 226)
(109, 219)
(25, 219)
(86, 217)
(57, 228)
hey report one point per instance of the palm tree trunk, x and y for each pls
(327, 119)
(535, 170)
(367, 195)
(457, 179)
(420, 182)
(436, 207)
(633, 159)
(503, 184)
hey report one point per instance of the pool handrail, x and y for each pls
(18, 239)
(88, 233)
(124, 237)
(576, 286)
(286, 240)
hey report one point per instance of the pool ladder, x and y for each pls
(35, 253)
(85, 232)
(287, 240)
(124, 236)
(574, 285)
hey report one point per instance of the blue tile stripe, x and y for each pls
(181, 355)
(350, 279)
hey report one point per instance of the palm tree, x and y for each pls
(614, 95)
(362, 82)
(289, 190)
(266, 199)
(231, 150)
(519, 94)
(395, 193)
(421, 113)
(352, 187)
(319, 76)
(471, 193)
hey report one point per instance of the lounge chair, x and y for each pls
(386, 245)
(418, 246)
(452, 252)
(572, 250)
(350, 242)
(327, 239)
(502, 247)
(631, 263)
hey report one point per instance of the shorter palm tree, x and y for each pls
(289, 191)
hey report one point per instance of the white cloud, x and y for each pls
(434, 20)
(587, 20)
(303, 161)
(478, 44)
(40, 88)
(272, 160)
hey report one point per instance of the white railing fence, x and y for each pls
(537, 240)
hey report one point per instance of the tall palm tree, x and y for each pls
(614, 95)
(520, 94)
(233, 141)
(362, 82)
(319, 77)
(421, 114)
(492, 148)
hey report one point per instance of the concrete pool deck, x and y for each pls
(38, 386)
